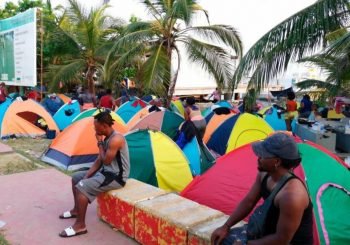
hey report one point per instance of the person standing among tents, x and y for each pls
(305, 107)
(3, 92)
(107, 100)
(216, 95)
(109, 171)
(291, 110)
(286, 215)
(88, 99)
(193, 113)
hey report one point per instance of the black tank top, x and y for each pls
(304, 233)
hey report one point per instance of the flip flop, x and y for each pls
(70, 232)
(67, 215)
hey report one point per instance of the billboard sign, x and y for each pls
(18, 49)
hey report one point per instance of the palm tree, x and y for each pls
(89, 36)
(336, 66)
(158, 42)
(300, 35)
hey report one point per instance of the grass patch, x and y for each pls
(3, 241)
(15, 163)
(29, 146)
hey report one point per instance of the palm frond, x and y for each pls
(211, 58)
(66, 72)
(225, 34)
(154, 7)
(299, 35)
(184, 9)
(341, 45)
(156, 70)
(331, 88)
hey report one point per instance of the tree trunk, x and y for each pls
(90, 79)
(173, 79)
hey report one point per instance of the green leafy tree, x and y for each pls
(88, 37)
(157, 44)
(298, 36)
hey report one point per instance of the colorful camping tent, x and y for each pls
(233, 131)
(178, 107)
(166, 121)
(130, 108)
(65, 115)
(219, 104)
(21, 119)
(276, 121)
(156, 159)
(93, 111)
(3, 108)
(138, 116)
(64, 98)
(327, 179)
(199, 157)
(75, 147)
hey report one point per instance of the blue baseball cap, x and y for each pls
(277, 145)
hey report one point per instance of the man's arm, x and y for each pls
(115, 144)
(242, 210)
(94, 168)
(292, 203)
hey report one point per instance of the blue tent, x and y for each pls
(65, 115)
(276, 121)
(3, 108)
(199, 157)
(224, 103)
(130, 108)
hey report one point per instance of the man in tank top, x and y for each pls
(289, 218)
(109, 171)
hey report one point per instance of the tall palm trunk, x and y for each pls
(90, 79)
(173, 79)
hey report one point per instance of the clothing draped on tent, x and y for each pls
(130, 108)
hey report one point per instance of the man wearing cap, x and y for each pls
(289, 218)
(110, 171)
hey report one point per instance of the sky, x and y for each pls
(252, 19)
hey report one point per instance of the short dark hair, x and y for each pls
(291, 95)
(108, 91)
(104, 117)
(190, 100)
(290, 163)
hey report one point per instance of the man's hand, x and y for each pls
(99, 137)
(219, 235)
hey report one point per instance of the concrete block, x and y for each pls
(117, 207)
(200, 234)
(167, 219)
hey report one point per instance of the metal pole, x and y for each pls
(41, 53)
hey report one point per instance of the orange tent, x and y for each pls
(21, 119)
(64, 98)
(75, 147)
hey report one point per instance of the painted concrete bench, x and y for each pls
(153, 216)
